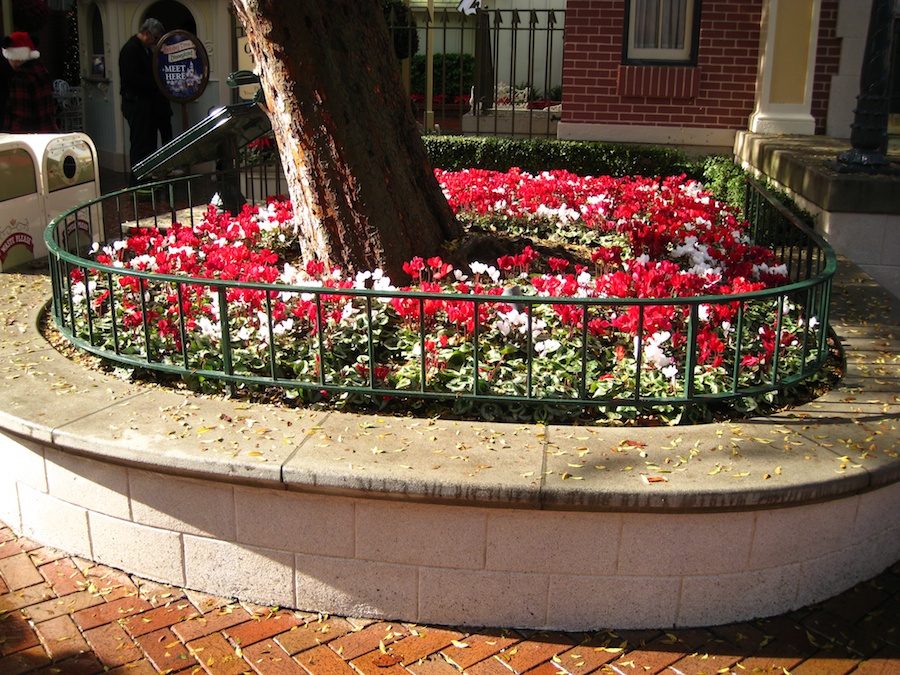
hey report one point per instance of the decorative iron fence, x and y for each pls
(496, 72)
(316, 339)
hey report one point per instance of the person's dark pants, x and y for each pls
(145, 127)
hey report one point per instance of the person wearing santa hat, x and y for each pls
(30, 107)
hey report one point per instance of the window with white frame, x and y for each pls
(661, 30)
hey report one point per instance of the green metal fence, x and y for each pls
(773, 338)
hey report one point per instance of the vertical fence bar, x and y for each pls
(428, 118)
(190, 200)
(639, 353)
(272, 354)
(532, 27)
(71, 303)
(225, 324)
(114, 327)
(548, 77)
(738, 340)
(53, 263)
(320, 335)
(422, 343)
(779, 322)
(582, 390)
(182, 325)
(145, 319)
(690, 356)
(89, 311)
(476, 335)
(806, 328)
(370, 341)
(498, 19)
(548, 68)
(514, 40)
(444, 94)
(529, 346)
(824, 318)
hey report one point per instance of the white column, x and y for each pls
(788, 42)
(852, 28)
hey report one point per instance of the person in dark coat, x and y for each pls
(30, 107)
(144, 106)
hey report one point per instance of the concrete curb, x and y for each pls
(453, 522)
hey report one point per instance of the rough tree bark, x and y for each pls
(362, 186)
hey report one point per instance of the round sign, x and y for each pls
(181, 66)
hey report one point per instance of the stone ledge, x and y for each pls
(785, 459)
(453, 522)
(802, 165)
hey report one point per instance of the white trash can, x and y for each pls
(41, 176)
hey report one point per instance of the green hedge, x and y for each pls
(454, 153)
(454, 74)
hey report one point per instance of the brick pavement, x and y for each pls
(68, 616)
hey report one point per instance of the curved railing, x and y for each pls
(772, 338)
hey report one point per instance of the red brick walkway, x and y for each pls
(60, 614)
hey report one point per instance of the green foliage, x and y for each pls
(718, 173)
(723, 178)
(455, 153)
(587, 158)
(454, 74)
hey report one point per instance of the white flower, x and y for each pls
(544, 347)
(80, 291)
(703, 313)
(771, 269)
(290, 274)
(381, 282)
(283, 326)
(210, 329)
(516, 321)
(147, 262)
(653, 354)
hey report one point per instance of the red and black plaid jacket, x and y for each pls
(31, 107)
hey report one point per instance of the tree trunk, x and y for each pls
(362, 186)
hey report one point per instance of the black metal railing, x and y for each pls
(347, 340)
(496, 72)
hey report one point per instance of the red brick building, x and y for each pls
(688, 72)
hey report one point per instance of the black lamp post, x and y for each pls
(868, 134)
